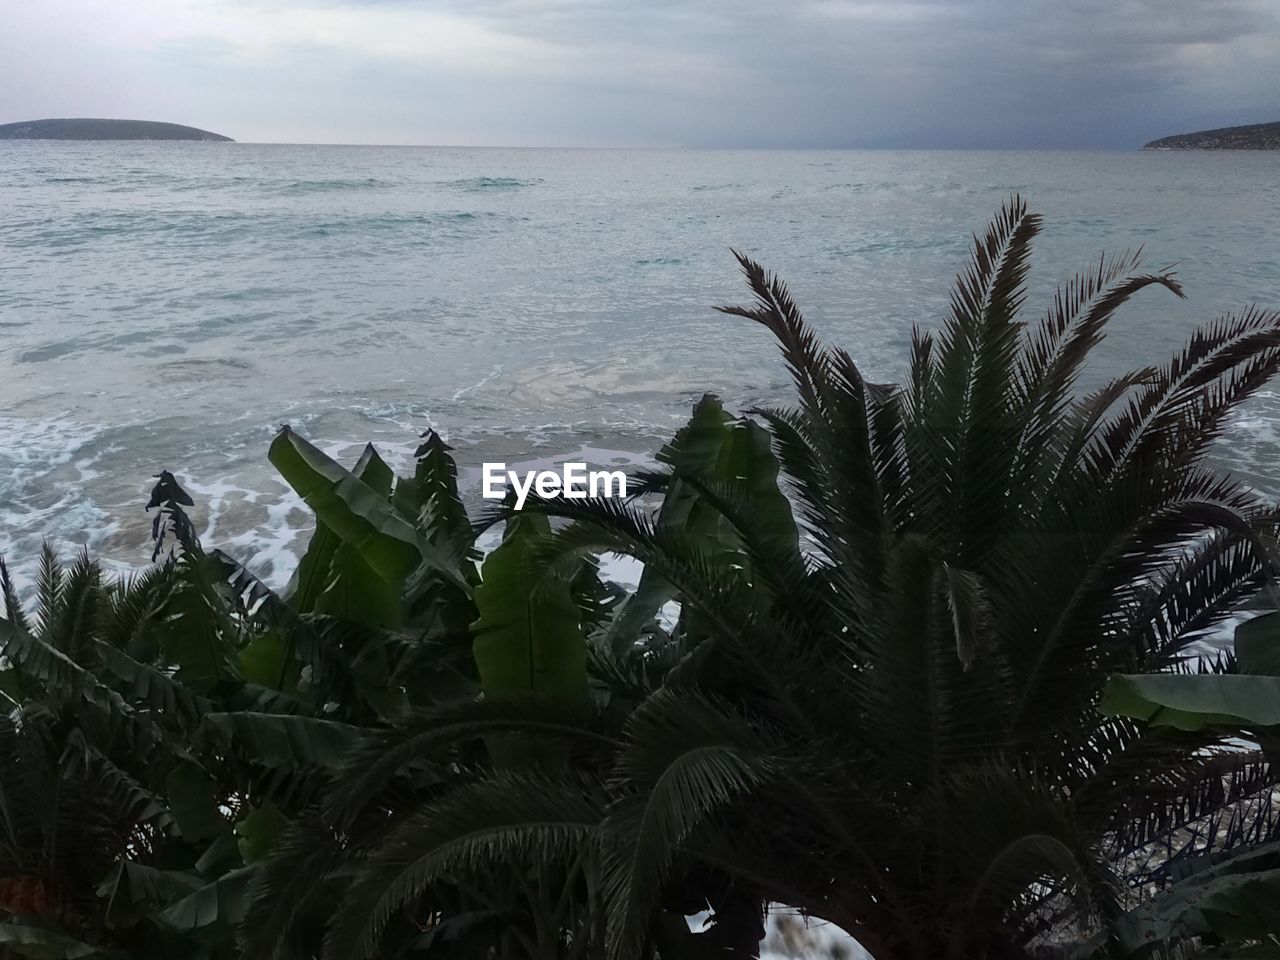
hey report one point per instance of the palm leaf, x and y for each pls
(518, 819)
(277, 740)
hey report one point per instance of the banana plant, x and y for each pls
(1225, 885)
(715, 459)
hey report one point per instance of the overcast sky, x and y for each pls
(755, 73)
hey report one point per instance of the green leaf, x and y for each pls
(353, 510)
(528, 637)
(752, 465)
(143, 684)
(267, 661)
(527, 820)
(430, 500)
(141, 884)
(37, 660)
(373, 470)
(1258, 645)
(1233, 899)
(967, 604)
(363, 550)
(596, 599)
(696, 449)
(292, 639)
(193, 801)
(356, 592)
(198, 632)
(1193, 702)
(220, 904)
(219, 857)
(430, 497)
(260, 831)
(312, 573)
(719, 466)
(279, 740)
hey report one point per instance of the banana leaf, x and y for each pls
(356, 512)
(265, 661)
(278, 740)
(199, 637)
(713, 451)
(360, 515)
(1194, 702)
(139, 884)
(259, 832)
(1236, 898)
(752, 466)
(1258, 645)
(528, 637)
(140, 683)
(193, 802)
(695, 449)
(219, 904)
(312, 572)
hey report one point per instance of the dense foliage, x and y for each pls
(916, 660)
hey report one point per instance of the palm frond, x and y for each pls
(518, 819)
(686, 759)
(287, 899)
(12, 605)
(421, 740)
(49, 583)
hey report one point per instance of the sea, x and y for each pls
(167, 306)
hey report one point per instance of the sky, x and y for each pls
(995, 74)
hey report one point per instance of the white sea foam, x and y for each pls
(44, 491)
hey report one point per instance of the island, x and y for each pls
(1253, 136)
(92, 129)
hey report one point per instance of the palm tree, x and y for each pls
(75, 800)
(895, 727)
(157, 733)
(897, 731)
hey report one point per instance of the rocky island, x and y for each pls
(93, 129)
(1253, 136)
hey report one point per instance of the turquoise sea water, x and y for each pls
(167, 305)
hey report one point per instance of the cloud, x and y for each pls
(699, 72)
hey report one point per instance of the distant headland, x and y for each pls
(90, 129)
(1253, 136)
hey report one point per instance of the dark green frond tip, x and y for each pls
(167, 490)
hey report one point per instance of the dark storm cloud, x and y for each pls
(962, 73)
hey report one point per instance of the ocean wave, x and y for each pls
(297, 187)
(707, 187)
(207, 368)
(120, 180)
(393, 222)
(479, 184)
(659, 262)
(45, 467)
(79, 484)
(247, 231)
(891, 244)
